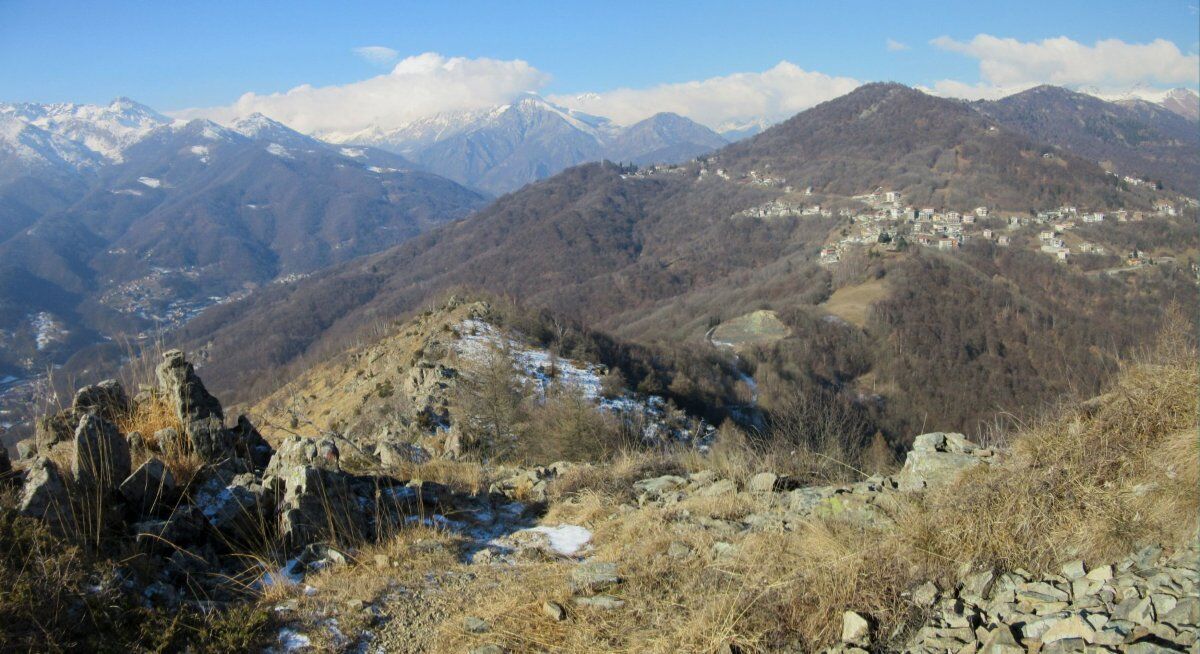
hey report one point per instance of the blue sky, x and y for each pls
(174, 55)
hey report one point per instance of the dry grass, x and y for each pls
(148, 419)
(467, 477)
(853, 303)
(614, 478)
(1096, 482)
(772, 589)
(1092, 486)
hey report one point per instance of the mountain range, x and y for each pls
(500, 149)
(664, 255)
(117, 220)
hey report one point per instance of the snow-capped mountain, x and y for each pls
(736, 131)
(26, 148)
(502, 148)
(1181, 101)
(105, 130)
(1184, 102)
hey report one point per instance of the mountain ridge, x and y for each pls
(1137, 138)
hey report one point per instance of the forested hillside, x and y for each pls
(661, 256)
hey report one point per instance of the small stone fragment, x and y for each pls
(594, 576)
(474, 625)
(602, 602)
(856, 630)
(554, 611)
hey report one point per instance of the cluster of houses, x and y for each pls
(891, 220)
(783, 209)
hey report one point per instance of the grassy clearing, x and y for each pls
(853, 303)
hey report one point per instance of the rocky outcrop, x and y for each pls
(245, 494)
(44, 495)
(198, 411)
(106, 399)
(150, 486)
(101, 457)
(937, 458)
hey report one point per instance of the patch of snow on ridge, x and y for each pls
(352, 152)
(279, 151)
(540, 373)
(152, 182)
(534, 364)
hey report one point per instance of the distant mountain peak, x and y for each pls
(259, 127)
(1184, 102)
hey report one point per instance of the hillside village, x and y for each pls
(884, 218)
(892, 223)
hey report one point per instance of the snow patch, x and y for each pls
(353, 152)
(200, 151)
(127, 191)
(567, 540)
(152, 182)
(285, 575)
(47, 329)
(279, 151)
(291, 640)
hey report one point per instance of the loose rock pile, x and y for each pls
(1144, 603)
(935, 459)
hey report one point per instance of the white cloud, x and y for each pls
(895, 46)
(1006, 62)
(377, 54)
(719, 102)
(416, 87)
